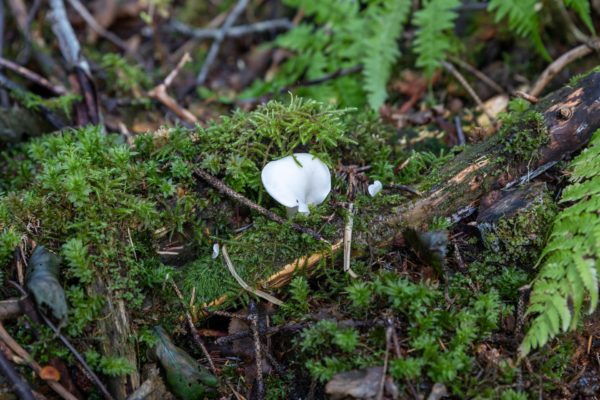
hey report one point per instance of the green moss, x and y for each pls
(522, 135)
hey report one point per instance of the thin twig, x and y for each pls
(260, 384)
(32, 76)
(19, 351)
(388, 339)
(193, 330)
(71, 348)
(216, 45)
(233, 32)
(160, 93)
(284, 275)
(20, 386)
(348, 241)
(478, 74)
(460, 134)
(458, 76)
(226, 190)
(99, 29)
(526, 96)
(243, 284)
(67, 40)
(561, 62)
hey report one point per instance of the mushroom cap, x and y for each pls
(297, 180)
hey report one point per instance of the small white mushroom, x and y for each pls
(375, 188)
(297, 181)
(215, 251)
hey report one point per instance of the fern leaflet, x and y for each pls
(432, 40)
(568, 276)
(381, 49)
(582, 8)
(522, 18)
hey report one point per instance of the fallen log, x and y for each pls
(566, 120)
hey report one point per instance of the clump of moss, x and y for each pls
(523, 132)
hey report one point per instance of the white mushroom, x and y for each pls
(297, 181)
(375, 188)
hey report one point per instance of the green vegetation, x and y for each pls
(568, 275)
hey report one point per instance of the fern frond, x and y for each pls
(433, 41)
(522, 19)
(569, 273)
(381, 49)
(582, 8)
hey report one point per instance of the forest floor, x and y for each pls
(144, 258)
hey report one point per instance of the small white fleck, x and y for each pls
(375, 188)
(215, 252)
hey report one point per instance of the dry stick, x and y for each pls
(91, 374)
(243, 284)
(388, 339)
(450, 68)
(71, 51)
(19, 351)
(480, 75)
(260, 384)
(226, 190)
(32, 76)
(193, 330)
(348, 241)
(525, 96)
(67, 40)
(216, 45)
(99, 29)
(284, 275)
(233, 32)
(561, 62)
(20, 386)
(160, 93)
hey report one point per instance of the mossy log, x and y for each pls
(483, 172)
(18, 124)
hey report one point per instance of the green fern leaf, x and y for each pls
(381, 49)
(522, 19)
(433, 41)
(582, 8)
(568, 276)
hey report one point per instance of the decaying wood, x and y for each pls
(115, 331)
(571, 116)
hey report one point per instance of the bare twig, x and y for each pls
(67, 40)
(561, 62)
(88, 111)
(226, 190)
(388, 340)
(348, 241)
(233, 32)
(525, 96)
(450, 68)
(193, 331)
(478, 74)
(19, 351)
(99, 29)
(243, 284)
(216, 45)
(460, 134)
(160, 93)
(20, 386)
(91, 374)
(260, 384)
(32, 76)
(284, 275)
